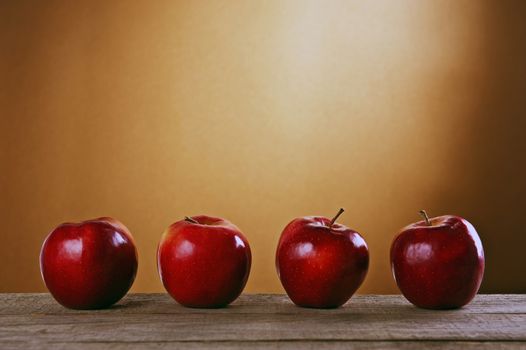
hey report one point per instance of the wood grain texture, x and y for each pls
(155, 321)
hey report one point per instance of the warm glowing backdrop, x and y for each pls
(262, 111)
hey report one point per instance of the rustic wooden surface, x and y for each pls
(31, 321)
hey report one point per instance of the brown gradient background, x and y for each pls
(259, 112)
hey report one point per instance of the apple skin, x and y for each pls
(320, 266)
(205, 264)
(89, 265)
(440, 265)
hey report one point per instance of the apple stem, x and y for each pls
(340, 212)
(189, 219)
(424, 215)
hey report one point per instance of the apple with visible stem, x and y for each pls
(438, 263)
(204, 261)
(89, 265)
(320, 262)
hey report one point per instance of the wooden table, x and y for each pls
(31, 321)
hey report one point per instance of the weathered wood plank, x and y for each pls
(259, 327)
(155, 320)
(314, 345)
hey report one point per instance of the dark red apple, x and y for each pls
(321, 263)
(204, 261)
(438, 263)
(89, 265)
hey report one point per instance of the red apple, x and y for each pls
(321, 263)
(89, 265)
(204, 261)
(438, 263)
